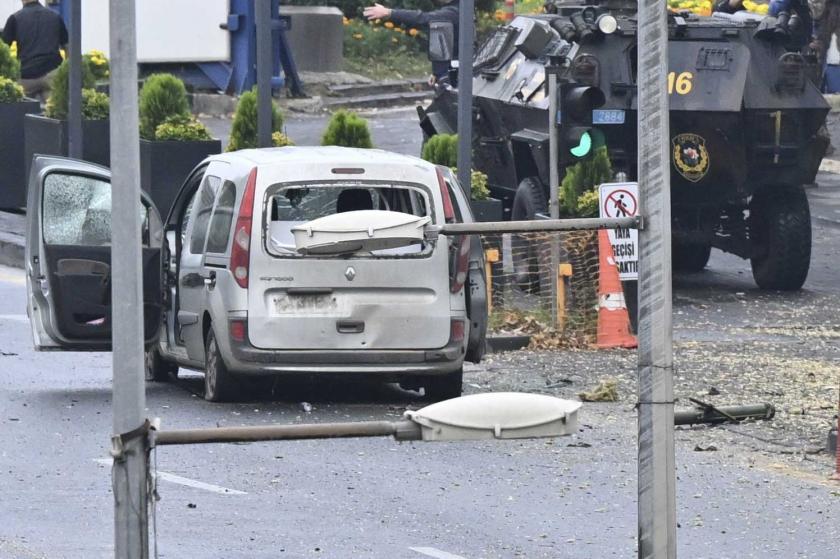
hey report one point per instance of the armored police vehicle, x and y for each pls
(744, 125)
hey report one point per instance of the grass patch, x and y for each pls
(397, 66)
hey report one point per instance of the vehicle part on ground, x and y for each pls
(220, 384)
(707, 413)
(744, 124)
(690, 257)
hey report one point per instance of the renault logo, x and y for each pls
(350, 273)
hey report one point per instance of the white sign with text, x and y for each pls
(621, 199)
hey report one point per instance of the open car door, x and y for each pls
(68, 256)
(476, 278)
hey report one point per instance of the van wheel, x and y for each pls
(444, 387)
(220, 385)
(690, 257)
(157, 369)
(780, 232)
(527, 203)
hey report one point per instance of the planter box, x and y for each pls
(487, 210)
(13, 160)
(48, 136)
(164, 167)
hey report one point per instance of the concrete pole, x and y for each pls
(262, 14)
(129, 398)
(553, 148)
(657, 500)
(74, 85)
(466, 32)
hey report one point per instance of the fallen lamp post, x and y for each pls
(499, 415)
(707, 413)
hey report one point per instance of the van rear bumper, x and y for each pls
(249, 360)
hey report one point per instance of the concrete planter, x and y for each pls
(487, 210)
(48, 136)
(13, 153)
(165, 165)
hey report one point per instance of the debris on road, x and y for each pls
(606, 391)
(707, 413)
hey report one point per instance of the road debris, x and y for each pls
(606, 391)
(707, 413)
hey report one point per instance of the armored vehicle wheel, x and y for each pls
(158, 370)
(219, 383)
(527, 203)
(690, 257)
(780, 232)
(444, 387)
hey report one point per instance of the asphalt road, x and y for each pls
(375, 498)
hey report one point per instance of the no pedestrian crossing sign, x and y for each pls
(621, 199)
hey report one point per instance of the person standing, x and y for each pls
(416, 18)
(40, 34)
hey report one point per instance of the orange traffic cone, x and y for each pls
(613, 318)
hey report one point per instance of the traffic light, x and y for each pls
(578, 136)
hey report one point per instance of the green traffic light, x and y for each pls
(584, 146)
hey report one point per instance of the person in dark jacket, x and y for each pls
(417, 18)
(40, 34)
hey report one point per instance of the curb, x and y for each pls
(12, 250)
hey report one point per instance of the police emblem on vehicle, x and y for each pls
(350, 273)
(691, 158)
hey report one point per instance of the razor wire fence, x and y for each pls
(543, 285)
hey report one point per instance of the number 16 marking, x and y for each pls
(680, 83)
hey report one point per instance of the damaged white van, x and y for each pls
(297, 260)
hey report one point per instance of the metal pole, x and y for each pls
(656, 471)
(466, 31)
(129, 399)
(402, 430)
(577, 224)
(74, 85)
(262, 14)
(553, 147)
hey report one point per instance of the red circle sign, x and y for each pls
(620, 203)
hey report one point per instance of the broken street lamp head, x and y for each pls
(497, 415)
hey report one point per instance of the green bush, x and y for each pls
(98, 64)
(9, 65)
(182, 128)
(478, 185)
(580, 179)
(57, 102)
(243, 133)
(163, 96)
(10, 91)
(279, 140)
(441, 149)
(95, 105)
(347, 129)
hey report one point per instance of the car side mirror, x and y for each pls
(441, 41)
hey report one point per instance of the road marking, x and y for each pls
(438, 554)
(172, 478)
(12, 275)
(15, 317)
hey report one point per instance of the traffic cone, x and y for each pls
(510, 10)
(613, 318)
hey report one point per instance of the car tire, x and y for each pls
(527, 203)
(690, 257)
(780, 233)
(156, 368)
(220, 385)
(444, 387)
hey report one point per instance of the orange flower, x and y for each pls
(345, 21)
(413, 32)
(389, 25)
(357, 35)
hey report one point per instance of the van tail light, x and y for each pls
(238, 329)
(456, 331)
(240, 254)
(448, 209)
(459, 260)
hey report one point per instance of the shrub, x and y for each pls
(98, 64)
(95, 105)
(163, 96)
(580, 179)
(347, 129)
(9, 65)
(10, 91)
(441, 149)
(182, 128)
(57, 102)
(279, 140)
(478, 185)
(243, 133)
